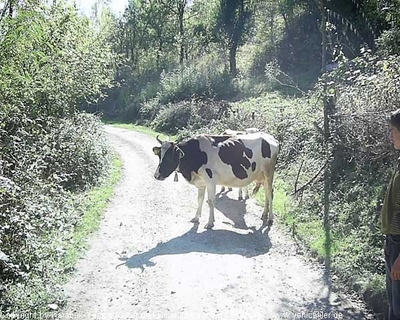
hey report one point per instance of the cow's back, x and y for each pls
(237, 161)
(264, 143)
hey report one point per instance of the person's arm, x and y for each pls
(395, 272)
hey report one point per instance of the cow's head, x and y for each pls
(169, 154)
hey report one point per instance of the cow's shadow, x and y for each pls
(232, 209)
(220, 242)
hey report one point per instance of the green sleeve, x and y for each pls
(391, 207)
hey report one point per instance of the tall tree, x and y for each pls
(177, 8)
(201, 26)
(232, 18)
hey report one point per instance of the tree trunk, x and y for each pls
(181, 12)
(272, 29)
(327, 143)
(10, 8)
(159, 52)
(232, 58)
(323, 35)
(132, 52)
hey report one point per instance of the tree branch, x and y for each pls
(297, 177)
(311, 181)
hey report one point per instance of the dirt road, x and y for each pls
(149, 262)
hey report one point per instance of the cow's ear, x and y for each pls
(180, 152)
(157, 151)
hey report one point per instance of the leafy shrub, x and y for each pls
(55, 56)
(51, 59)
(149, 110)
(79, 153)
(189, 115)
(207, 77)
(40, 165)
(389, 41)
(172, 117)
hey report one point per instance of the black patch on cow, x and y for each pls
(233, 152)
(209, 172)
(247, 151)
(253, 166)
(265, 149)
(193, 159)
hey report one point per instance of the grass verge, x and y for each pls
(93, 204)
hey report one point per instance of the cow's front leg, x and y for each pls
(200, 198)
(211, 203)
(240, 197)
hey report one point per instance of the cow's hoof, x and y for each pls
(209, 226)
(195, 220)
(267, 221)
(240, 198)
(246, 198)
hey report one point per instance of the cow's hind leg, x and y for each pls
(244, 190)
(200, 198)
(223, 189)
(211, 203)
(268, 215)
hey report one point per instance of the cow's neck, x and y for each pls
(192, 159)
(178, 168)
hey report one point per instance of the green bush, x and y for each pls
(207, 77)
(189, 115)
(51, 60)
(172, 118)
(77, 152)
(40, 166)
(389, 41)
(149, 111)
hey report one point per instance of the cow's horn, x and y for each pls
(158, 139)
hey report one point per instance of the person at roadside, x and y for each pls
(391, 226)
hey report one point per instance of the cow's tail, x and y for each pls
(256, 188)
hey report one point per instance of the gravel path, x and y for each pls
(149, 262)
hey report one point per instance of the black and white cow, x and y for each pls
(207, 161)
(230, 132)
